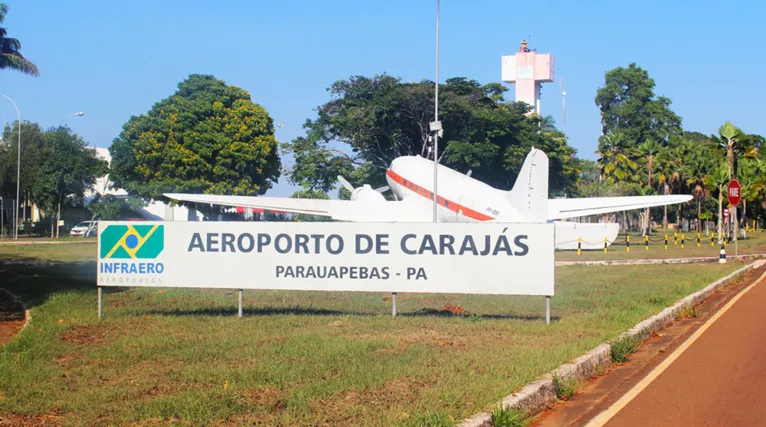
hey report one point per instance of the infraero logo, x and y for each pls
(132, 241)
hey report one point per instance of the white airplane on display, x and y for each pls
(460, 198)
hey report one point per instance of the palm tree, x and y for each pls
(615, 157)
(698, 164)
(752, 182)
(10, 57)
(548, 124)
(717, 181)
(667, 175)
(707, 216)
(648, 151)
(730, 135)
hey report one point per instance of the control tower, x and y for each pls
(528, 70)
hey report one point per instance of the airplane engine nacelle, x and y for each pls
(367, 194)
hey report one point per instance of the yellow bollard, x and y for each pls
(628, 242)
(604, 244)
(698, 240)
(712, 239)
(579, 246)
(646, 242)
(675, 238)
(666, 242)
(682, 240)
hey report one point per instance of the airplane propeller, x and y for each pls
(365, 192)
(351, 188)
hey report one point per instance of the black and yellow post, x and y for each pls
(675, 238)
(712, 239)
(646, 242)
(604, 244)
(683, 237)
(722, 255)
(579, 246)
(698, 240)
(627, 242)
(666, 242)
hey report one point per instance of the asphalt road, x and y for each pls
(720, 379)
(708, 370)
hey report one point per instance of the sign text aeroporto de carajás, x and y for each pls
(482, 258)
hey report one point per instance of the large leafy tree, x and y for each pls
(32, 154)
(10, 55)
(68, 168)
(628, 105)
(208, 137)
(371, 120)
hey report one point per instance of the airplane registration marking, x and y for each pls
(449, 204)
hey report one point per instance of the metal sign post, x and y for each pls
(735, 195)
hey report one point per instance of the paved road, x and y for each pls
(720, 379)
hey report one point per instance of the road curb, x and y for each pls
(540, 395)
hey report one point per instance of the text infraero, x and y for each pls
(410, 244)
(131, 268)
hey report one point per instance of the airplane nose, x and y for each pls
(394, 164)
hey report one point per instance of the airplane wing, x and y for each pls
(570, 208)
(339, 210)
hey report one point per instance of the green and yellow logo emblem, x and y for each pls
(132, 241)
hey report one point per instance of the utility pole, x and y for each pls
(436, 127)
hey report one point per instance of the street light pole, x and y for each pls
(80, 114)
(436, 115)
(18, 172)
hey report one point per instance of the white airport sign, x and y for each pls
(468, 258)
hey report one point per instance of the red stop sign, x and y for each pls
(734, 192)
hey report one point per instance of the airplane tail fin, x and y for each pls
(530, 191)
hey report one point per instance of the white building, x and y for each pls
(155, 211)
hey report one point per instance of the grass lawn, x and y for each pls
(78, 252)
(304, 358)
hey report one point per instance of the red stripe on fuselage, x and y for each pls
(449, 204)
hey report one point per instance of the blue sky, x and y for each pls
(114, 59)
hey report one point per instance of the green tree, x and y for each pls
(104, 207)
(548, 124)
(615, 157)
(68, 168)
(648, 151)
(752, 176)
(716, 181)
(628, 105)
(208, 137)
(667, 175)
(736, 144)
(32, 155)
(376, 119)
(10, 57)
